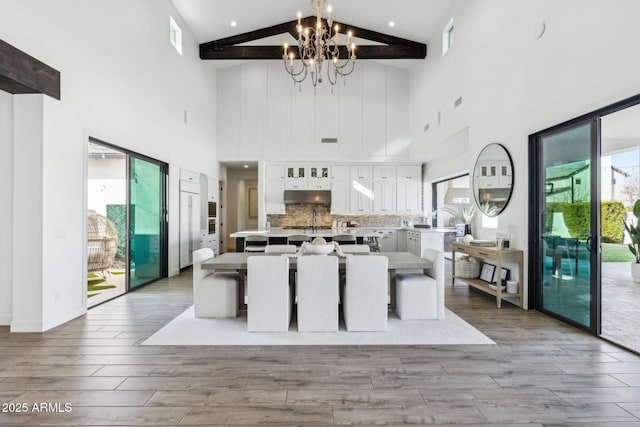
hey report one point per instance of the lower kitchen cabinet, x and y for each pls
(418, 241)
(388, 242)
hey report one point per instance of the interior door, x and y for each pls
(146, 221)
(568, 232)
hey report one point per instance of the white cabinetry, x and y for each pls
(402, 241)
(361, 197)
(384, 173)
(397, 113)
(274, 191)
(388, 242)
(384, 197)
(190, 209)
(340, 187)
(409, 197)
(340, 172)
(418, 241)
(361, 173)
(339, 197)
(319, 178)
(409, 173)
(278, 111)
(296, 178)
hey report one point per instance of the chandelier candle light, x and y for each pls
(317, 46)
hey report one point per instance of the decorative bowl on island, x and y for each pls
(319, 246)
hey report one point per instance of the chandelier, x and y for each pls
(318, 50)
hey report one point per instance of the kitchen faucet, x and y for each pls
(314, 221)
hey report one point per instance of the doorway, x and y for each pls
(126, 226)
(584, 180)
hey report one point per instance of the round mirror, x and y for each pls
(493, 179)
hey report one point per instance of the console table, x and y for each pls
(493, 256)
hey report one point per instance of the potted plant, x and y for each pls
(463, 214)
(634, 246)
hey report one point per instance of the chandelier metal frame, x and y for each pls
(318, 49)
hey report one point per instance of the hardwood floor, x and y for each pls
(541, 372)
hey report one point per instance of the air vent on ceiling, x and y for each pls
(329, 140)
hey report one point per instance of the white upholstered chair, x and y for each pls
(280, 249)
(355, 249)
(419, 295)
(364, 302)
(269, 302)
(215, 294)
(317, 286)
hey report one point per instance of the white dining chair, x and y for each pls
(215, 294)
(355, 249)
(280, 249)
(420, 295)
(364, 302)
(317, 289)
(269, 294)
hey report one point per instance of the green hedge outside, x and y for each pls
(577, 219)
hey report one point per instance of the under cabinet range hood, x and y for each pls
(314, 197)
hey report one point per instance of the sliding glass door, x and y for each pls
(127, 221)
(146, 221)
(569, 222)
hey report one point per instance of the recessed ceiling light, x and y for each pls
(233, 24)
(246, 166)
(392, 24)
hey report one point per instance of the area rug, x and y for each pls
(189, 330)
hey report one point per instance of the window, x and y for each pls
(447, 37)
(175, 35)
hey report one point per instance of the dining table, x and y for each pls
(237, 261)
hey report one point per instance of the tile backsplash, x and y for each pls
(301, 214)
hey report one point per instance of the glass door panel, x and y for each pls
(145, 221)
(566, 260)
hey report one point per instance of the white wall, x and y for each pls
(123, 83)
(6, 214)
(263, 116)
(514, 84)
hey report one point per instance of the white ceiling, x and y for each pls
(417, 20)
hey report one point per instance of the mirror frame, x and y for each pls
(475, 184)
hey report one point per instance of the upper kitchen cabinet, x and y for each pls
(327, 121)
(253, 96)
(228, 114)
(374, 122)
(361, 197)
(296, 177)
(340, 172)
(319, 178)
(397, 113)
(384, 173)
(278, 111)
(384, 197)
(409, 197)
(361, 173)
(340, 196)
(409, 173)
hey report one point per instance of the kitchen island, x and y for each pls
(279, 236)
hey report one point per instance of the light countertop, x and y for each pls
(324, 232)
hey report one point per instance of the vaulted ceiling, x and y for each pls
(415, 20)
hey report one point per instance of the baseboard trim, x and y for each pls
(174, 272)
(5, 319)
(26, 326)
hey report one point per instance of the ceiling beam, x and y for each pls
(392, 47)
(21, 73)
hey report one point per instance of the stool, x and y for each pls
(416, 297)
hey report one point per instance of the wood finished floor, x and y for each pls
(541, 372)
